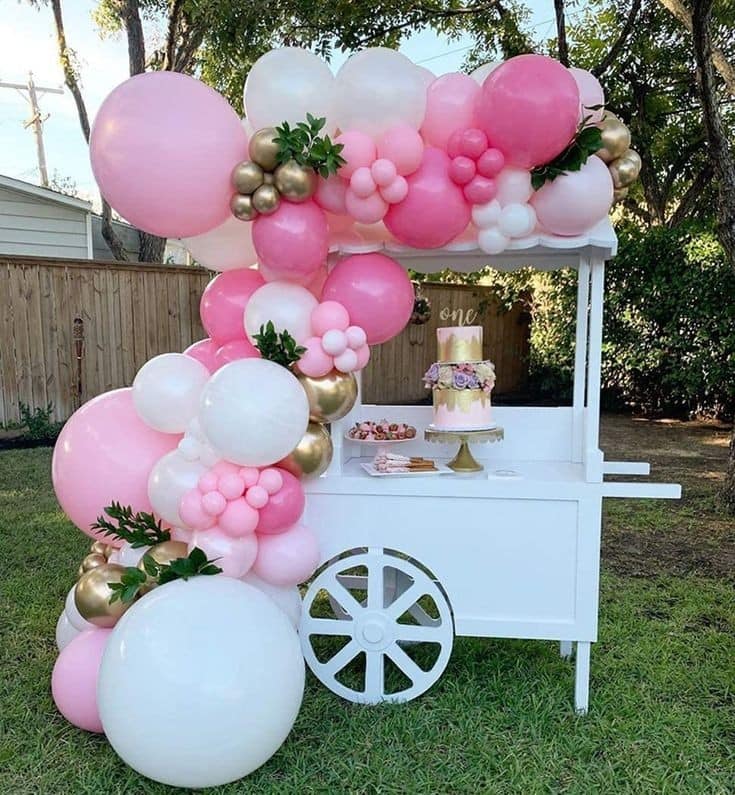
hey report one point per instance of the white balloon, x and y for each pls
(166, 391)
(128, 555)
(286, 598)
(220, 671)
(514, 186)
(377, 89)
(171, 477)
(427, 76)
(517, 220)
(286, 84)
(65, 631)
(486, 215)
(74, 616)
(492, 240)
(483, 71)
(224, 248)
(288, 306)
(254, 412)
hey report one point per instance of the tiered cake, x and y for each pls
(461, 381)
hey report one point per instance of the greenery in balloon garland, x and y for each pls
(280, 348)
(139, 529)
(303, 144)
(133, 579)
(587, 140)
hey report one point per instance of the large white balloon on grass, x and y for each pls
(288, 306)
(254, 412)
(216, 671)
(225, 248)
(286, 84)
(171, 477)
(378, 88)
(166, 391)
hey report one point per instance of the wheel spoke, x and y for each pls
(375, 582)
(374, 676)
(341, 595)
(329, 626)
(340, 659)
(423, 617)
(407, 599)
(418, 633)
(405, 663)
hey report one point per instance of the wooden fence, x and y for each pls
(71, 329)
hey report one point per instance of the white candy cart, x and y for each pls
(509, 552)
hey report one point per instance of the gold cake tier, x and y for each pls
(460, 349)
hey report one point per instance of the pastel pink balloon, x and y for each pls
(346, 362)
(330, 194)
(454, 144)
(367, 211)
(403, 146)
(462, 169)
(239, 517)
(356, 337)
(334, 342)
(396, 191)
(358, 150)
(234, 350)
(450, 105)
(294, 240)
(383, 172)
(575, 201)
(284, 507)
(223, 303)
(480, 190)
(235, 556)
(192, 513)
(376, 291)
(250, 475)
(433, 198)
(590, 94)
(231, 486)
(205, 352)
(208, 482)
(529, 108)
(271, 479)
(329, 315)
(363, 356)
(287, 558)
(362, 183)
(104, 453)
(163, 146)
(490, 162)
(256, 497)
(213, 503)
(315, 362)
(74, 679)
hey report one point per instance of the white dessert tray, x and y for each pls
(373, 472)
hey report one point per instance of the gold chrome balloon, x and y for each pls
(294, 182)
(163, 554)
(91, 561)
(619, 194)
(100, 548)
(615, 138)
(263, 148)
(266, 199)
(330, 397)
(242, 207)
(247, 177)
(624, 172)
(312, 454)
(92, 595)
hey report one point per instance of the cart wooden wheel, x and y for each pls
(383, 644)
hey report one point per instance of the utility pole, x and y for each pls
(31, 93)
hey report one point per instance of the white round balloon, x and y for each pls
(483, 71)
(492, 240)
(286, 84)
(127, 555)
(486, 215)
(286, 598)
(166, 391)
(171, 477)
(225, 247)
(74, 616)
(513, 186)
(427, 76)
(378, 88)
(218, 669)
(517, 220)
(288, 306)
(254, 412)
(65, 631)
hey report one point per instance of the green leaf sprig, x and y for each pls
(280, 348)
(586, 141)
(139, 529)
(303, 144)
(129, 586)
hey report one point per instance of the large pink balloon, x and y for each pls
(375, 290)
(163, 147)
(235, 349)
(204, 351)
(288, 558)
(223, 303)
(529, 108)
(591, 95)
(450, 106)
(292, 241)
(435, 210)
(575, 201)
(105, 453)
(74, 679)
(284, 508)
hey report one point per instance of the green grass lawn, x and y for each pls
(662, 712)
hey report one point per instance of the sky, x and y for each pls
(27, 43)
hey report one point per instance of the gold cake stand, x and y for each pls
(464, 461)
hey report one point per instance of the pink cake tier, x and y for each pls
(462, 409)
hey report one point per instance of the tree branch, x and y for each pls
(561, 32)
(620, 42)
(130, 15)
(172, 34)
(691, 196)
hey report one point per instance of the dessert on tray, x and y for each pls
(390, 462)
(382, 431)
(461, 381)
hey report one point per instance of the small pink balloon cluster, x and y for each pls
(335, 344)
(474, 164)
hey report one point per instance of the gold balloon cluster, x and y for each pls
(261, 182)
(623, 162)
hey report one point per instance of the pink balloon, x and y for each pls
(163, 146)
(346, 362)
(234, 350)
(284, 507)
(105, 453)
(223, 303)
(434, 211)
(358, 150)
(529, 108)
(192, 512)
(239, 517)
(462, 169)
(235, 556)
(575, 201)
(472, 143)
(329, 315)
(590, 94)
(363, 356)
(491, 162)
(450, 105)
(396, 191)
(480, 190)
(74, 679)
(376, 291)
(362, 183)
(383, 172)
(315, 362)
(330, 194)
(367, 210)
(294, 240)
(204, 351)
(256, 497)
(403, 146)
(271, 480)
(287, 558)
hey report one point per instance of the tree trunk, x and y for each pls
(72, 83)
(561, 32)
(723, 163)
(151, 247)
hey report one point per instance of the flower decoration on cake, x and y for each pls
(462, 375)
(335, 344)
